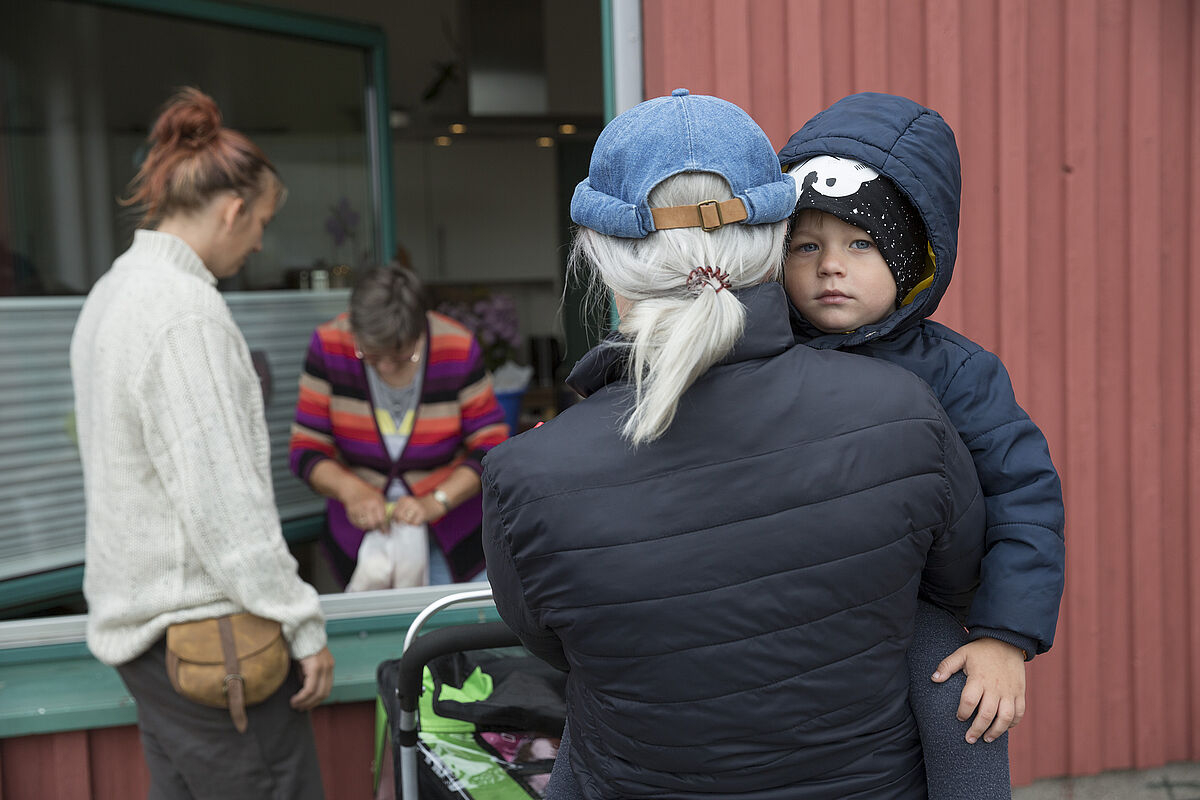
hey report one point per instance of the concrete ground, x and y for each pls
(1172, 782)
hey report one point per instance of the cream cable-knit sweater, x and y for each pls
(181, 517)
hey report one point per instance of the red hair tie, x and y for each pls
(715, 277)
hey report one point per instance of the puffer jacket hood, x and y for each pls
(914, 147)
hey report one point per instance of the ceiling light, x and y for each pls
(544, 141)
(567, 129)
(442, 141)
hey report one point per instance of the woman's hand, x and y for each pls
(417, 510)
(995, 673)
(317, 670)
(365, 507)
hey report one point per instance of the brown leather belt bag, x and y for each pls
(227, 662)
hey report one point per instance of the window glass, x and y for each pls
(80, 86)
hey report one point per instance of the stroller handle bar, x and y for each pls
(420, 650)
(474, 595)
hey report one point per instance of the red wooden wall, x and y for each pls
(1079, 125)
(107, 763)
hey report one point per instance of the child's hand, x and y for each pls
(995, 673)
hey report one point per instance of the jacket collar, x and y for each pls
(767, 333)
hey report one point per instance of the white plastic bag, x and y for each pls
(392, 560)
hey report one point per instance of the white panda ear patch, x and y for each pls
(831, 176)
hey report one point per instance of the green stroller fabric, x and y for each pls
(478, 713)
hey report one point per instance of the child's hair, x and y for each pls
(675, 332)
(809, 216)
(387, 307)
(192, 158)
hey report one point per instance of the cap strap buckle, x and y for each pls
(709, 215)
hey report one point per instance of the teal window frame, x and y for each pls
(369, 38)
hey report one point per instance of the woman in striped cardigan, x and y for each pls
(395, 406)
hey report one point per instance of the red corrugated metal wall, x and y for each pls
(1079, 124)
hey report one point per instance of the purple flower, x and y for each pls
(342, 221)
(493, 320)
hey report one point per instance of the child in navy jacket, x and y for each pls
(871, 252)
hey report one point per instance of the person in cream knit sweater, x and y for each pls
(181, 516)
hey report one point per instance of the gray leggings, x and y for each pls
(953, 768)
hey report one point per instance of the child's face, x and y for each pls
(835, 275)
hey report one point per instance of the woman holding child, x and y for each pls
(723, 541)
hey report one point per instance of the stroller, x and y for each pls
(469, 712)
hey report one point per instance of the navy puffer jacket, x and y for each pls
(1022, 579)
(734, 600)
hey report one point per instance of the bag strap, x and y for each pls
(235, 684)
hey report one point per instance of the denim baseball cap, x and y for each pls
(681, 133)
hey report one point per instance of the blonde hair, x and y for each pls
(675, 333)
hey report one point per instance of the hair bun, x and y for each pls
(192, 157)
(190, 119)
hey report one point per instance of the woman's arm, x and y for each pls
(480, 414)
(313, 454)
(312, 431)
(994, 693)
(507, 588)
(208, 441)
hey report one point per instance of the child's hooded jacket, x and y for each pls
(1022, 578)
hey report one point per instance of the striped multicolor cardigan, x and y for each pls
(457, 421)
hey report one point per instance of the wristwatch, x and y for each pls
(442, 498)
